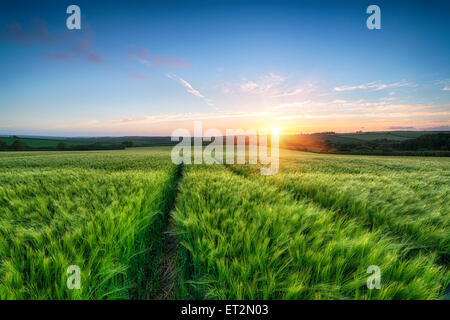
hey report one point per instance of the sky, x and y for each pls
(148, 68)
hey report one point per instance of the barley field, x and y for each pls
(308, 232)
(101, 211)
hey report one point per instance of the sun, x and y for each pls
(275, 131)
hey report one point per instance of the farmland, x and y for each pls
(308, 232)
(100, 211)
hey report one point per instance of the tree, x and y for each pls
(128, 144)
(19, 145)
(3, 145)
(96, 146)
(62, 145)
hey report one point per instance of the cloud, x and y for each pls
(192, 117)
(92, 57)
(374, 86)
(268, 86)
(444, 84)
(137, 75)
(401, 128)
(95, 58)
(144, 57)
(145, 120)
(36, 32)
(440, 128)
(289, 93)
(191, 89)
(186, 84)
(373, 110)
(57, 56)
(372, 115)
(77, 45)
(291, 105)
(263, 85)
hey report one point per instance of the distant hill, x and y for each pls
(79, 143)
(40, 142)
(137, 141)
(380, 143)
(371, 136)
(436, 143)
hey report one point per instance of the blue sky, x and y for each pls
(140, 68)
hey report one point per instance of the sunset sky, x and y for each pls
(140, 68)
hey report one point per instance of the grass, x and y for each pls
(264, 244)
(407, 196)
(102, 211)
(309, 232)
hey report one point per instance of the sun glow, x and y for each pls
(275, 132)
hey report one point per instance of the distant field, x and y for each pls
(308, 232)
(370, 136)
(52, 143)
(313, 142)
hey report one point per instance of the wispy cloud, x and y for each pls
(191, 90)
(193, 117)
(57, 56)
(185, 84)
(372, 116)
(268, 86)
(289, 93)
(312, 113)
(374, 86)
(165, 118)
(264, 84)
(91, 57)
(291, 105)
(137, 75)
(444, 84)
(439, 128)
(148, 59)
(402, 128)
(95, 58)
(36, 33)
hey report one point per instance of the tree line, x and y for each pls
(436, 144)
(20, 145)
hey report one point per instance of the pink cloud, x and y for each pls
(151, 60)
(95, 58)
(36, 32)
(137, 75)
(57, 56)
